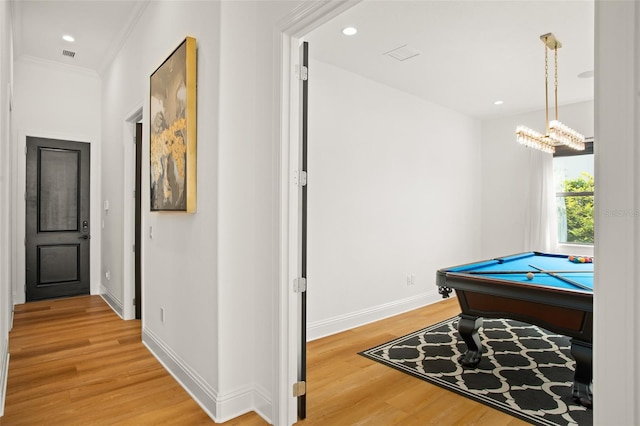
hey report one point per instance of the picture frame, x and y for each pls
(172, 127)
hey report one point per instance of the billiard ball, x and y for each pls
(529, 275)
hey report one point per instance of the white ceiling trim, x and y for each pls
(123, 35)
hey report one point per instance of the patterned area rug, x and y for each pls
(525, 371)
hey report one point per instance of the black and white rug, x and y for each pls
(525, 371)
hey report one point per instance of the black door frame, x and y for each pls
(138, 225)
(304, 97)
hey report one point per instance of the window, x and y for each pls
(573, 178)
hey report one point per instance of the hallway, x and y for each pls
(75, 362)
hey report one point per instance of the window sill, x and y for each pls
(575, 249)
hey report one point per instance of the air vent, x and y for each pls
(68, 53)
(403, 53)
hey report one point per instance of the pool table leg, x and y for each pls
(582, 353)
(468, 327)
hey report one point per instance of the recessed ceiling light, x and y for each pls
(349, 31)
(68, 38)
(498, 102)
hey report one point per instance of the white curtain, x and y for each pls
(541, 224)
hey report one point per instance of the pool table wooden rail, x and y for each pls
(567, 312)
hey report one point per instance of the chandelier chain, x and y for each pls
(555, 62)
(546, 86)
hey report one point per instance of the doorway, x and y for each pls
(132, 193)
(57, 218)
(291, 338)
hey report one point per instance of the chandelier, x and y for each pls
(557, 133)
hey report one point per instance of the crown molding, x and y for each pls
(123, 35)
(46, 63)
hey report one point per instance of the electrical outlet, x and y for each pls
(411, 279)
(108, 275)
(161, 314)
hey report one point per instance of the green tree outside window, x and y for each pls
(575, 205)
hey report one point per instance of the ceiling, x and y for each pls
(472, 52)
(99, 27)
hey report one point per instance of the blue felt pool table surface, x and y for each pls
(521, 262)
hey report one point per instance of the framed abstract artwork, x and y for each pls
(173, 131)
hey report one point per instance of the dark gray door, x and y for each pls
(138, 224)
(57, 218)
(304, 101)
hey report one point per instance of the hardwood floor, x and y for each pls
(74, 362)
(345, 388)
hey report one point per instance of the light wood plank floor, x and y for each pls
(74, 362)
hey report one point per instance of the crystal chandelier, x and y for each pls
(557, 133)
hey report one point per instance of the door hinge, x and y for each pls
(299, 285)
(303, 178)
(299, 389)
(300, 178)
(134, 301)
(25, 150)
(304, 73)
(134, 248)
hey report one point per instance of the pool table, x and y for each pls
(547, 290)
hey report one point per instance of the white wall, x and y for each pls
(617, 295)
(59, 102)
(214, 272)
(6, 167)
(179, 264)
(394, 191)
(506, 177)
(248, 202)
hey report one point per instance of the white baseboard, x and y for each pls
(112, 301)
(319, 329)
(220, 407)
(195, 386)
(4, 371)
(234, 404)
(262, 404)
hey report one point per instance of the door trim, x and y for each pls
(290, 31)
(19, 208)
(129, 153)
